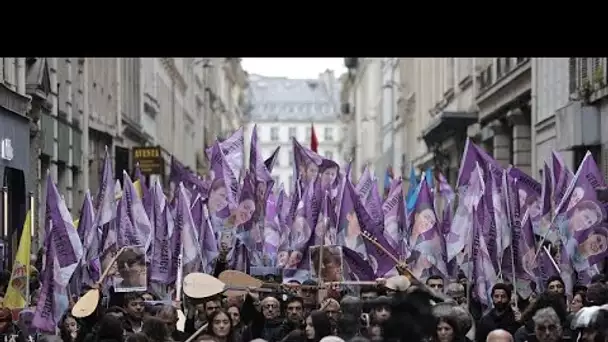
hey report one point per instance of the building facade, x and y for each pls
(61, 114)
(580, 124)
(364, 96)
(17, 148)
(283, 108)
(518, 109)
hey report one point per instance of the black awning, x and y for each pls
(446, 125)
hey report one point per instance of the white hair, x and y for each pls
(546, 315)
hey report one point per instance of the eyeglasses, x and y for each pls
(270, 306)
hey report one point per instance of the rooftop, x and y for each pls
(281, 98)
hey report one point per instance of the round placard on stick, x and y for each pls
(86, 305)
(201, 285)
(238, 282)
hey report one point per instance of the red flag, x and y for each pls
(314, 143)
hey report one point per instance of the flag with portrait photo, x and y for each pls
(581, 220)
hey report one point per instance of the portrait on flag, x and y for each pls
(131, 270)
(330, 260)
(218, 197)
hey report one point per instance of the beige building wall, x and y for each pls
(430, 86)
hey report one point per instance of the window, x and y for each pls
(290, 182)
(329, 134)
(290, 159)
(329, 155)
(277, 181)
(274, 133)
(293, 132)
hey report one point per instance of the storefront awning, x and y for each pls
(446, 125)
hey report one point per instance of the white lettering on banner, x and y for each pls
(6, 149)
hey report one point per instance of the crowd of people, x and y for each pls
(437, 310)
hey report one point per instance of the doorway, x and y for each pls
(14, 180)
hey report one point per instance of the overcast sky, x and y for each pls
(293, 67)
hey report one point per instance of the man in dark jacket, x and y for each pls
(266, 324)
(500, 317)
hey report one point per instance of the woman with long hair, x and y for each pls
(70, 329)
(317, 326)
(234, 311)
(220, 326)
(448, 330)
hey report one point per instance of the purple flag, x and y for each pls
(270, 161)
(484, 274)
(356, 221)
(89, 236)
(393, 212)
(474, 154)
(272, 231)
(179, 173)
(325, 231)
(105, 211)
(357, 269)
(232, 148)
(521, 252)
(63, 254)
(262, 178)
(546, 201)
(206, 237)
(581, 218)
(426, 238)
(364, 186)
(460, 233)
(162, 256)
(188, 243)
(224, 189)
(492, 234)
(306, 164)
(142, 229)
(562, 177)
(529, 195)
(283, 204)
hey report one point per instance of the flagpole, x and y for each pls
(5, 221)
(510, 223)
(29, 264)
(471, 262)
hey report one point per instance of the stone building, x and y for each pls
(225, 84)
(283, 108)
(60, 115)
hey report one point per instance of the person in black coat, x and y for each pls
(500, 317)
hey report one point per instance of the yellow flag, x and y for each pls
(76, 222)
(137, 186)
(17, 288)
